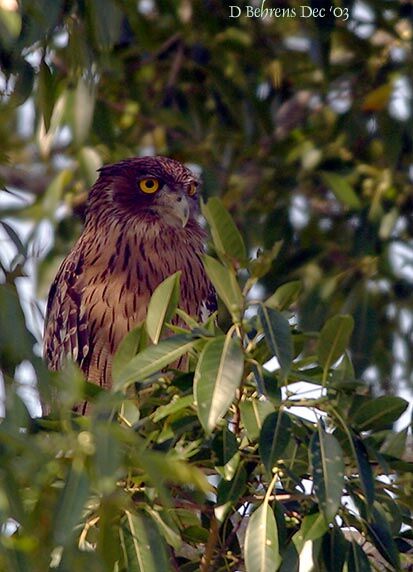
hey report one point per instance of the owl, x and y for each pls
(141, 226)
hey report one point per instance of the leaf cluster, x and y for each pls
(304, 125)
(219, 467)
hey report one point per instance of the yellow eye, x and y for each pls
(149, 185)
(192, 190)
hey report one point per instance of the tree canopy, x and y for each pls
(302, 130)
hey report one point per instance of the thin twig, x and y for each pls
(210, 547)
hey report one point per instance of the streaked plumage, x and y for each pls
(131, 242)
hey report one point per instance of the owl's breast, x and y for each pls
(121, 276)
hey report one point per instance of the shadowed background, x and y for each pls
(303, 126)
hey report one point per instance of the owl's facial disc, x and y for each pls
(174, 207)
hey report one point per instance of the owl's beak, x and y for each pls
(175, 208)
(182, 209)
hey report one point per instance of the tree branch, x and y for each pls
(24, 180)
(210, 547)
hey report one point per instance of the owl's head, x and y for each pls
(147, 187)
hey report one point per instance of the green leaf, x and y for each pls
(83, 108)
(357, 559)
(217, 377)
(71, 385)
(23, 88)
(130, 412)
(54, 192)
(91, 390)
(379, 413)
(271, 389)
(261, 541)
(290, 560)
(195, 534)
(387, 508)
(10, 489)
(395, 443)
(381, 536)
(107, 457)
(89, 162)
(186, 517)
(152, 360)
(230, 491)
(334, 339)
(46, 93)
(226, 284)
(261, 265)
(342, 189)
(161, 468)
(106, 21)
(108, 545)
(274, 438)
(278, 336)
(127, 349)
(173, 407)
(225, 235)
(162, 306)
(327, 462)
(10, 26)
(343, 374)
(70, 505)
(313, 527)
(16, 342)
(378, 98)
(364, 469)
(166, 526)
(187, 319)
(253, 414)
(225, 446)
(17, 560)
(284, 296)
(334, 549)
(142, 544)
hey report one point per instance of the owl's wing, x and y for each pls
(66, 330)
(208, 305)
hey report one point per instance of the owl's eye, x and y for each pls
(149, 185)
(192, 190)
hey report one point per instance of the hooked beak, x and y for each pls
(175, 208)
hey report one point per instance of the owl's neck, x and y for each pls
(149, 231)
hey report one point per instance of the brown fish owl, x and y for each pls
(141, 226)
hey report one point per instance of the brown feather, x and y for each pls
(126, 250)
